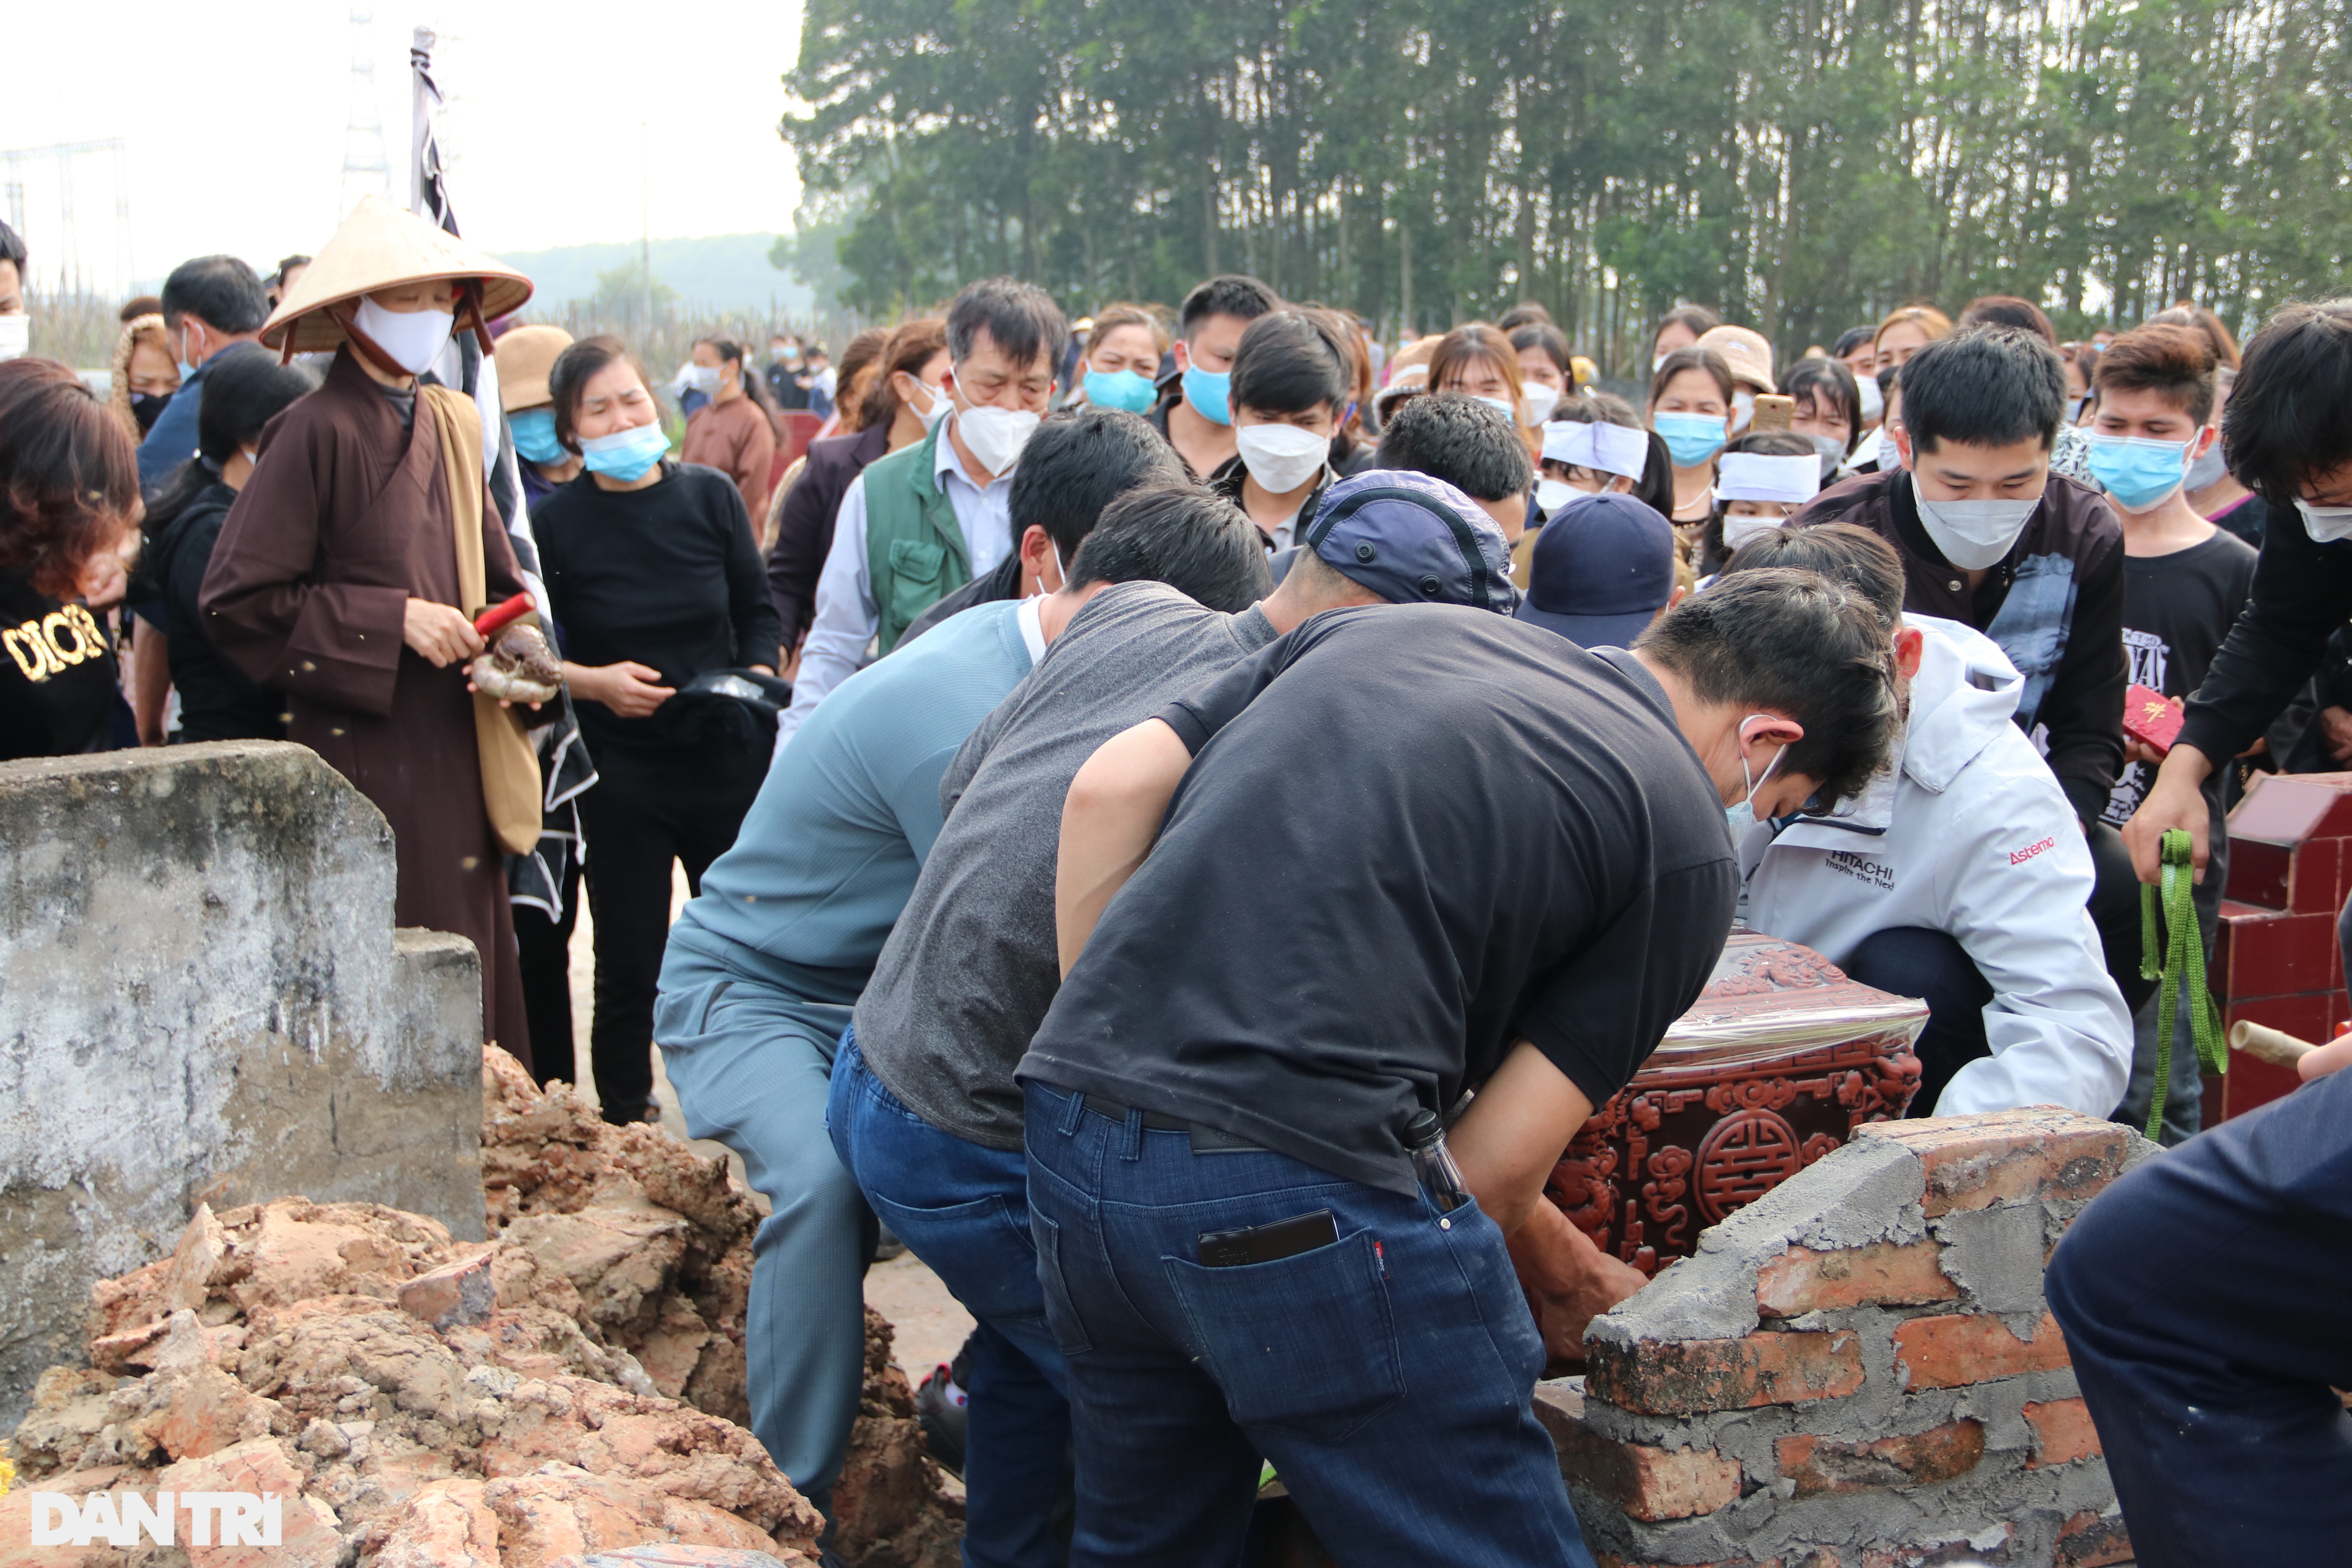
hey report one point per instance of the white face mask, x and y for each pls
(1974, 534)
(1281, 458)
(1739, 530)
(702, 378)
(938, 409)
(996, 436)
(1873, 402)
(1553, 494)
(2325, 524)
(1743, 410)
(1658, 364)
(1742, 816)
(413, 339)
(1537, 402)
(1503, 403)
(15, 336)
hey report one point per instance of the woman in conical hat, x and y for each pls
(349, 571)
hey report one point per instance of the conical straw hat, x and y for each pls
(381, 247)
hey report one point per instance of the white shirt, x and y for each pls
(846, 617)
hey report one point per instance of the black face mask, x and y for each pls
(145, 406)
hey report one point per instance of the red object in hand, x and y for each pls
(2152, 718)
(497, 615)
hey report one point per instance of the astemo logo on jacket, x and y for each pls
(117, 1519)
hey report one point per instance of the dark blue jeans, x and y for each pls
(1390, 1377)
(2203, 1301)
(964, 1210)
(1913, 961)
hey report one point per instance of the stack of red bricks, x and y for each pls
(2275, 963)
(1859, 1371)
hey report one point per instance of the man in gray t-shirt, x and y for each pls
(924, 1110)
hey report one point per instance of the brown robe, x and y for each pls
(344, 518)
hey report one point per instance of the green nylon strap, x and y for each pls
(2182, 949)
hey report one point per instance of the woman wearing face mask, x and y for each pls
(655, 580)
(1763, 479)
(352, 563)
(144, 376)
(906, 401)
(1680, 328)
(1827, 409)
(1634, 464)
(1479, 362)
(1122, 360)
(525, 355)
(735, 432)
(244, 389)
(1691, 402)
(1547, 371)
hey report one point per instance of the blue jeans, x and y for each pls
(2202, 1298)
(964, 1210)
(755, 1076)
(1390, 1377)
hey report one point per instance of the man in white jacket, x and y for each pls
(1961, 877)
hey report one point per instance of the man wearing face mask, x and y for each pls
(208, 304)
(921, 523)
(1196, 411)
(1991, 539)
(355, 558)
(1289, 393)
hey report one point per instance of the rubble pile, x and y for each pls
(574, 1385)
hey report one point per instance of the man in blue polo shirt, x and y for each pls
(763, 968)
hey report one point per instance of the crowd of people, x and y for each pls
(1187, 812)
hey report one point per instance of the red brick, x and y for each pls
(2008, 1156)
(1649, 1484)
(2063, 1432)
(2313, 880)
(1682, 1377)
(1961, 1348)
(1881, 1274)
(2282, 954)
(2091, 1541)
(1940, 1454)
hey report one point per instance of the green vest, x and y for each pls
(915, 553)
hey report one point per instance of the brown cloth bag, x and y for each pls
(510, 786)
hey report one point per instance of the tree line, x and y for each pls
(1802, 166)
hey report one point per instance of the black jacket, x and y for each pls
(804, 527)
(2302, 593)
(218, 700)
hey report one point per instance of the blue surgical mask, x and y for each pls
(1691, 438)
(2141, 475)
(534, 436)
(625, 455)
(1120, 389)
(1207, 391)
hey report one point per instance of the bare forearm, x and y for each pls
(1109, 821)
(150, 682)
(1515, 1133)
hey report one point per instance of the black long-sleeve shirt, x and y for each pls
(667, 577)
(2302, 593)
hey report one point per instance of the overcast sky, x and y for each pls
(233, 115)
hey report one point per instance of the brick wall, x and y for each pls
(2275, 962)
(1858, 1371)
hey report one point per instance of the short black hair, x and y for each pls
(2008, 311)
(1197, 542)
(1827, 380)
(244, 388)
(286, 264)
(569, 376)
(1854, 338)
(2175, 361)
(1840, 552)
(1474, 447)
(1697, 318)
(1077, 463)
(11, 249)
(1234, 294)
(221, 290)
(1795, 643)
(2284, 424)
(1290, 362)
(1984, 386)
(1021, 321)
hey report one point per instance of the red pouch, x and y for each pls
(2152, 718)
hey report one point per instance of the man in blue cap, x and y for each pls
(924, 1111)
(1603, 569)
(1396, 855)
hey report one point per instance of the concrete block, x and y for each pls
(202, 1000)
